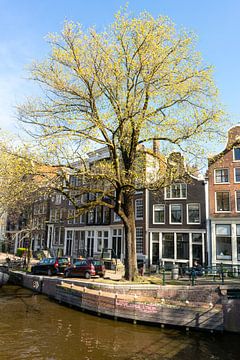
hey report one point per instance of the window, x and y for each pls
(193, 211)
(139, 209)
(238, 242)
(99, 241)
(56, 235)
(223, 242)
(139, 240)
(175, 214)
(159, 214)
(223, 201)
(176, 191)
(237, 200)
(98, 215)
(102, 240)
(221, 176)
(183, 246)
(91, 216)
(58, 199)
(196, 238)
(82, 218)
(71, 214)
(168, 245)
(155, 248)
(116, 218)
(117, 242)
(236, 154)
(237, 175)
(106, 215)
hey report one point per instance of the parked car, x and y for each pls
(81, 267)
(51, 266)
(99, 265)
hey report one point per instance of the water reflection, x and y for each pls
(33, 327)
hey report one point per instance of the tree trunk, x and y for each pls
(130, 239)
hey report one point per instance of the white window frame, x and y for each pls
(237, 147)
(154, 209)
(170, 217)
(237, 182)
(237, 191)
(222, 211)
(136, 209)
(175, 198)
(222, 182)
(199, 207)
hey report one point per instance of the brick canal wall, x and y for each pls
(201, 307)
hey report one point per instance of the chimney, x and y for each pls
(233, 136)
(156, 146)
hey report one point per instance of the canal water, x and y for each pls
(34, 327)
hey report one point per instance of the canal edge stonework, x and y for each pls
(203, 307)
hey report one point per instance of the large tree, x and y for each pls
(138, 81)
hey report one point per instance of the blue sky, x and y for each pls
(25, 23)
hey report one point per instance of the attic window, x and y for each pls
(236, 152)
(176, 191)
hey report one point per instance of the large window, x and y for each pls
(117, 242)
(223, 201)
(238, 242)
(223, 242)
(159, 214)
(176, 191)
(155, 248)
(168, 245)
(98, 215)
(237, 175)
(90, 216)
(193, 211)
(221, 176)
(139, 209)
(175, 213)
(139, 240)
(106, 215)
(236, 153)
(102, 240)
(182, 246)
(237, 200)
(69, 242)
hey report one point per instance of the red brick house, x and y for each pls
(224, 203)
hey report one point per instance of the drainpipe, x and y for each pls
(208, 225)
(147, 244)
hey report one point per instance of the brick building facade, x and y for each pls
(224, 203)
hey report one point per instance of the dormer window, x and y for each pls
(176, 191)
(236, 154)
